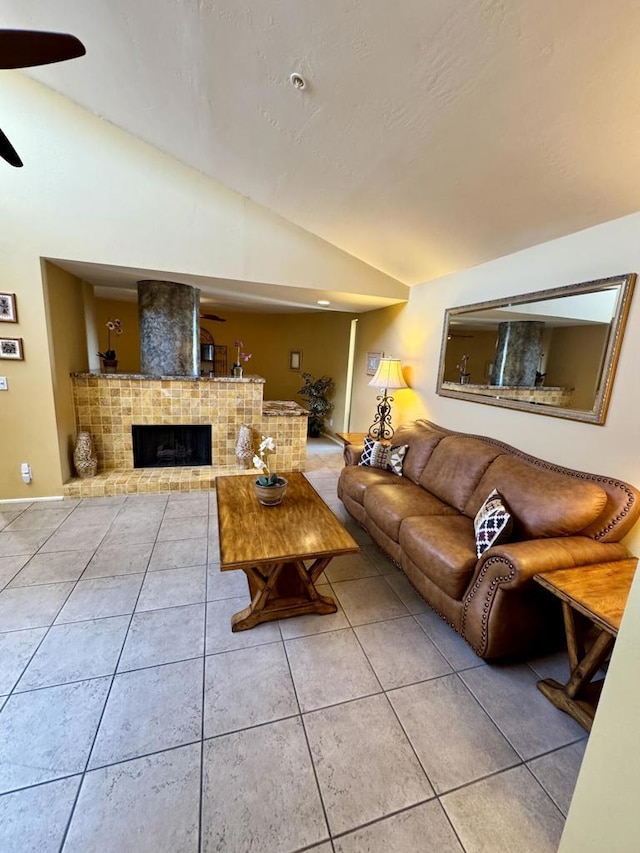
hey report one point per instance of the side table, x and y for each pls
(590, 595)
(352, 437)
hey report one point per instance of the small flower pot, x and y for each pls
(110, 365)
(271, 495)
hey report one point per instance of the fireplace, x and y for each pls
(171, 446)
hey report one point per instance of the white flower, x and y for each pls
(267, 443)
(261, 459)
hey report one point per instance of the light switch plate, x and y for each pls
(4, 385)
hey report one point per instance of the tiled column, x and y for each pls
(169, 328)
(517, 353)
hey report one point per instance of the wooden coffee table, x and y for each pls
(273, 545)
(590, 595)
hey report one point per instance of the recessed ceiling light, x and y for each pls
(323, 302)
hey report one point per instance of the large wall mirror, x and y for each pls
(553, 352)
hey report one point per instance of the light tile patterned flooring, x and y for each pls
(134, 720)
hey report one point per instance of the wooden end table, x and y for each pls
(352, 437)
(590, 595)
(271, 544)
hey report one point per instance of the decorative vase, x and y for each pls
(84, 456)
(271, 495)
(244, 447)
(236, 371)
(110, 365)
(465, 378)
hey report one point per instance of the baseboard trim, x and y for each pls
(30, 500)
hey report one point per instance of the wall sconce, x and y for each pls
(388, 375)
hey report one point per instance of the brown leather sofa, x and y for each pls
(424, 521)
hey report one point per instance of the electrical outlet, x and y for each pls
(4, 385)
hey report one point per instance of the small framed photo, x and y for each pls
(11, 348)
(373, 360)
(295, 359)
(8, 308)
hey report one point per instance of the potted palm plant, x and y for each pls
(315, 392)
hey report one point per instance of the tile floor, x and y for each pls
(134, 720)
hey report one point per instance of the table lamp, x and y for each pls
(388, 375)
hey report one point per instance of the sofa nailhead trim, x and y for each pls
(549, 466)
(480, 650)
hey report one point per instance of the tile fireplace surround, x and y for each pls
(107, 405)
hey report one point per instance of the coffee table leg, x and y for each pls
(280, 590)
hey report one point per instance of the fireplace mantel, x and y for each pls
(143, 377)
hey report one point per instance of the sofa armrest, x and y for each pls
(352, 453)
(502, 607)
(522, 560)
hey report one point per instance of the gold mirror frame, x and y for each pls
(485, 316)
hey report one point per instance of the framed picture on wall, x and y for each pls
(8, 308)
(295, 359)
(11, 348)
(373, 360)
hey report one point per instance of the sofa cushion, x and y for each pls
(381, 454)
(455, 468)
(493, 523)
(355, 480)
(444, 547)
(388, 505)
(421, 440)
(543, 503)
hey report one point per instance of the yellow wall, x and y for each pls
(321, 336)
(64, 299)
(479, 346)
(575, 360)
(27, 413)
(126, 345)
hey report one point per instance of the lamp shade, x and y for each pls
(389, 374)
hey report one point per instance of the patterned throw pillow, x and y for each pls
(492, 524)
(379, 454)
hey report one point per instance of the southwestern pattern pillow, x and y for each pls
(379, 454)
(493, 523)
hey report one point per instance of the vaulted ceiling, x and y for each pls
(431, 135)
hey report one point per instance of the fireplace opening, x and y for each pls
(170, 446)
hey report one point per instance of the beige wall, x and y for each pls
(92, 193)
(413, 332)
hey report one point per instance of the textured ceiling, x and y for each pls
(433, 135)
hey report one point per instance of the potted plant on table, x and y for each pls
(315, 391)
(270, 488)
(109, 358)
(237, 369)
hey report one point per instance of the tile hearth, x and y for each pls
(132, 718)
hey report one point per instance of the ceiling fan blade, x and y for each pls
(8, 152)
(24, 48)
(213, 317)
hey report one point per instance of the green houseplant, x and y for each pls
(315, 392)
